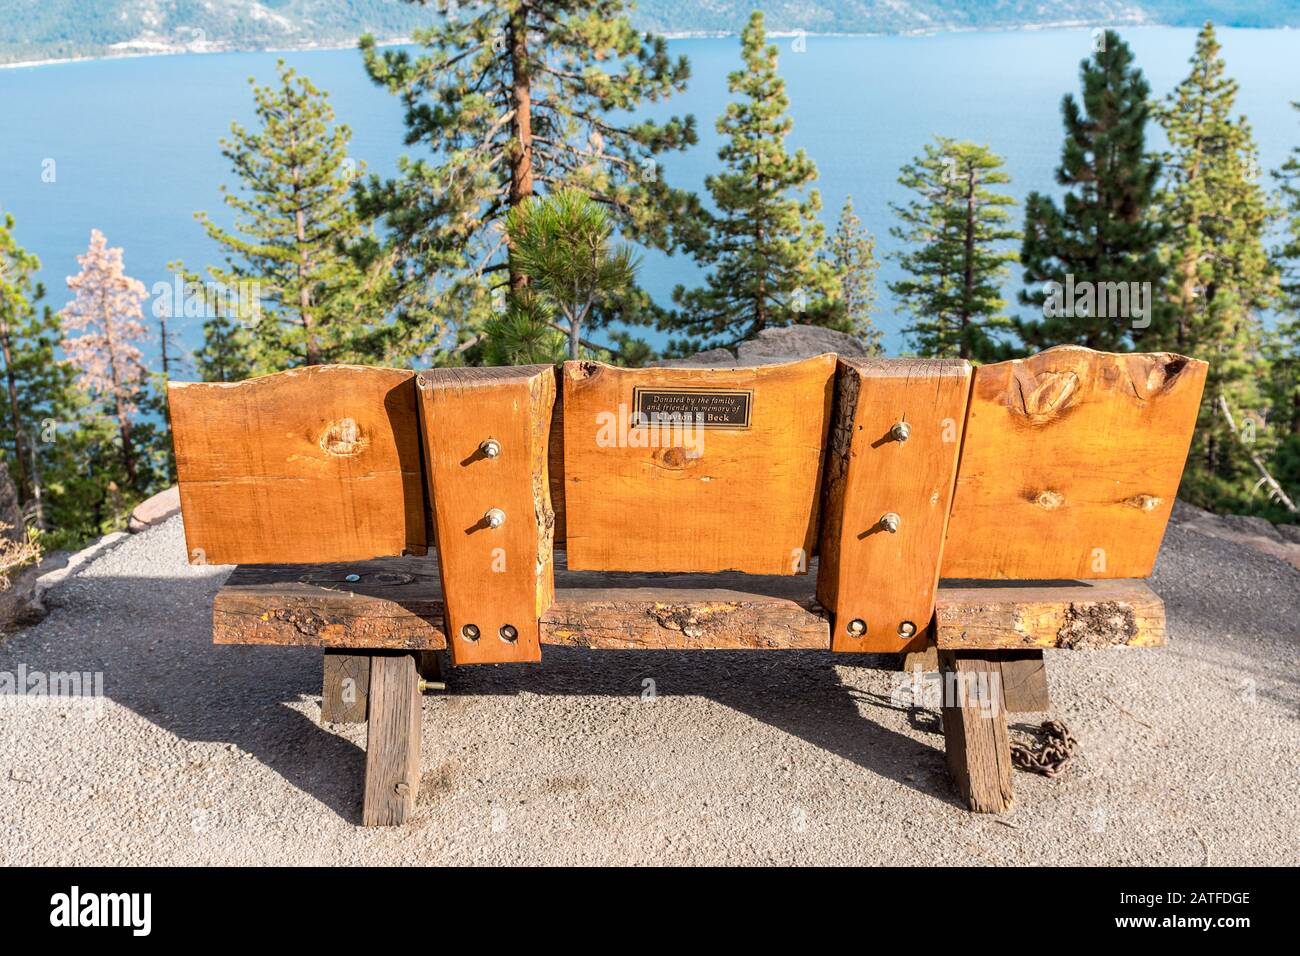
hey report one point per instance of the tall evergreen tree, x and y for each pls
(294, 216)
(1219, 274)
(1102, 239)
(956, 255)
(37, 386)
(513, 97)
(1282, 345)
(852, 255)
(762, 245)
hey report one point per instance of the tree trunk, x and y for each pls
(968, 272)
(521, 126)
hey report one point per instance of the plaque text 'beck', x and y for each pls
(704, 407)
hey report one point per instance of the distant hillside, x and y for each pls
(59, 29)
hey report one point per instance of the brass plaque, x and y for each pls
(702, 407)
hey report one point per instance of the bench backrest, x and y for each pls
(1062, 465)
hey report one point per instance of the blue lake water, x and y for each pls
(134, 141)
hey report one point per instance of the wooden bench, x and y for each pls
(407, 523)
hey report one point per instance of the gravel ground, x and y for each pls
(202, 755)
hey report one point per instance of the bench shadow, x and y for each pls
(265, 700)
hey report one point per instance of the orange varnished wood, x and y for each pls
(711, 499)
(502, 577)
(868, 574)
(312, 464)
(1070, 463)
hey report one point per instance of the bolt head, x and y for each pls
(907, 629)
(352, 578)
(508, 633)
(490, 447)
(901, 431)
(469, 632)
(890, 522)
(857, 627)
(494, 518)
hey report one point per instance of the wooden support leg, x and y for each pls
(975, 728)
(1024, 682)
(346, 688)
(392, 741)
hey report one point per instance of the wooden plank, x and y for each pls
(667, 618)
(497, 580)
(893, 451)
(737, 492)
(1073, 616)
(311, 464)
(1024, 682)
(397, 603)
(392, 741)
(1070, 464)
(345, 688)
(392, 603)
(977, 746)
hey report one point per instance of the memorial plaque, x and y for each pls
(705, 407)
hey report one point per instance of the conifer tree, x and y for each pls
(106, 311)
(37, 395)
(956, 233)
(1100, 245)
(514, 97)
(286, 257)
(762, 246)
(1282, 345)
(852, 255)
(1219, 275)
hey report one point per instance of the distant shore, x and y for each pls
(181, 49)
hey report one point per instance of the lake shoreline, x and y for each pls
(180, 50)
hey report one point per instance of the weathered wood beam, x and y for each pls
(345, 689)
(977, 747)
(392, 741)
(397, 604)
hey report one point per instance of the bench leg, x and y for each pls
(345, 688)
(975, 728)
(1024, 682)
(392, 741)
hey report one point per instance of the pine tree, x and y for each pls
(1282, 345)
(955, 231)
(225, 355)
(294, 218)
(106, 310)
(852, 256)
(762, 245)
(514, 97)
(1100, 246)
(1220, 276)
(37, 385)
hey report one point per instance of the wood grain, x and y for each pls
(392, 741)
(345, 688)
(1024, 682)
(976, 744)
(312, 464)
(1070, 464)
(712, 499)
(397, 603)
(497, 580)
(868, 574)
(1070, 616)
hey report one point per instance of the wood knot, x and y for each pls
(1049, 500)
(1144, 502)
(343, 439)
(674, 457)
(1045, 395)
(1152, 374)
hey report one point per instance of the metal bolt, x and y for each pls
(508, 633)
(352, 578)
(907, 629)
(901, 431)
(428, 685)
(469, 632)
(490, 447)
(857, 627)
(890, 522)
(494, 518)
